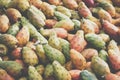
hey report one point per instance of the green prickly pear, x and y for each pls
(12, 67)
(13, 30)
(60, 72)
(33, 74)
(77, 25)
(103, 55)
(35, 18)
(95, 40)
(99, 66)
(41, 54)
(23, 78)
(54, 41)
(48, 71)
(64, 10)
(65, 48)
(9, 40)
(29, 56)
(86, 75)
(54, 54)
(33, 31)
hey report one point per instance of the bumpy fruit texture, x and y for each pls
(40, 69)
(13, 68)
(95, 40)
(29, 56)
(99, 66)
(65, 48)
(23, 36)
(77, 24)
(33, 74)
(83, 10)
(48, 71)
(14, 29)
(33, 31)
(8, 40)
(78, 42)
(54, 54)
(36, 17)
(54, 41)
(60, 72)
(86, 75)
(64, 10)
(103, 55)
(75, 74)
(60, 16)
(77, 59)
(41, 54)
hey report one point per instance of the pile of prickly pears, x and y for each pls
(59, 39)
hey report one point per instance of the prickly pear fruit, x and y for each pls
(13, 14)
(23, 78)
(75, 74)
(112, 76)
(14, 29)
(54, 41)
(83, 10)
(4, 23)
(86, 75)
(36, 3)
(54, 54)
(77, 25)
(29, 56)
(114, 59)
(12, 67)
(4, 75)
(49, 23)
(41, 54)
(55, 2)
(23, 36)
(105, 37)
(35, 17)
(33, 31)
(65, 48)
(78, 42)
(63, 10)
(70, 4)
(16, 53)
(47, 9)
(103, 55)
(60, 72)
(99, 66)
(95, 40)
(3, 50)
(60, 16)
(77, 59)
(40, 69)
(8, 40)
(48, 71)
(33, 74)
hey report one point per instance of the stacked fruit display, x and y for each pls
(59, 40)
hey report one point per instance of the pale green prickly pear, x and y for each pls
(12, 67)
(113, 45)
(29, 56)
(41, 54)
(99, 66)
(95, 40)
(13, 30)
(60, 16)
(54, 41)
(60, 72)
(103, 55)
(35, 18)
(64, 10)
(33, 74)
(40, 69)
(48, 71)
(54, 54)
(77, 25)
(9, 40)
(65, 48)
(33, 31)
